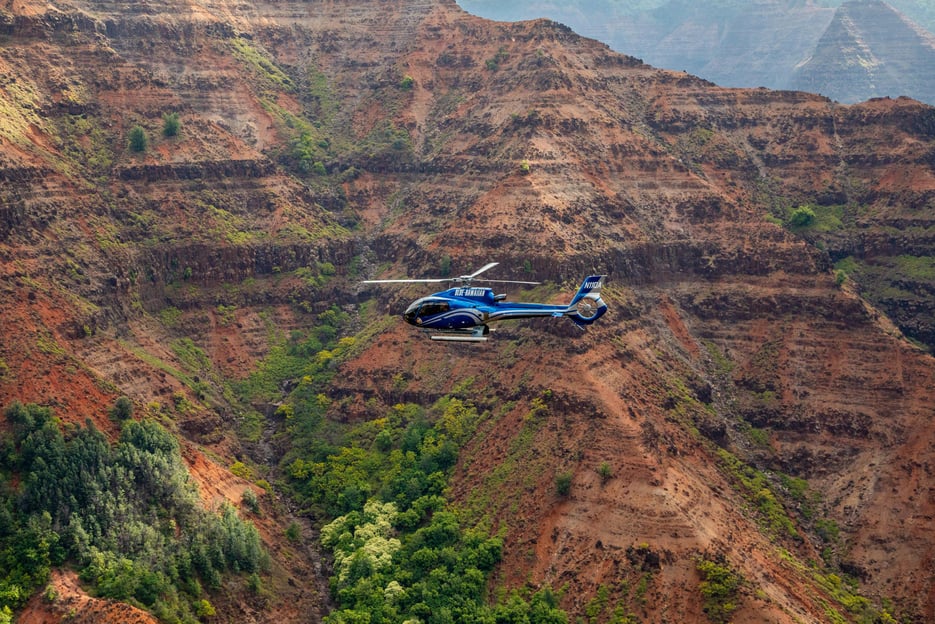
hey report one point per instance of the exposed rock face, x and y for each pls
(366, 134)
(869, 50)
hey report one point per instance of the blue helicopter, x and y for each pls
(462, 313)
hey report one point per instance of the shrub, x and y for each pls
(250, 501)
(138, 139)
(444, 265)
(719, 587)
(293, 532)
(122, 409)
(255, 583)
(493, 64)
(241, 470)
(563, 483)
(170, 124)
(827, 530)
(204, 609)
(803, 216)
(605, 471)
(383, 441)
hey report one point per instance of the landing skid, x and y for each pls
(464, 338)
(478, 334)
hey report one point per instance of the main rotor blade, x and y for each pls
(407, 281)
(480, 270)
(492, 281)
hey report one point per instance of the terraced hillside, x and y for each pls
(745, 435)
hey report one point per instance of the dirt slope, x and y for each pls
(65, 599)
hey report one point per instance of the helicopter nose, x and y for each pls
(410, 315)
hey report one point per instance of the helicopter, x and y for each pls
(462, 313)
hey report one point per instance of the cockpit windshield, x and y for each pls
(424, 308)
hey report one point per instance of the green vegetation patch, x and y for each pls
(756, 488)
(720, 587)
(86, 144)
(494, 63)
(402, 553)
(916, 268)
(171, 124)
(436, 573)
(845, 591)
(125, 515)
(137, 139)
(230, 227)
(521, 468)
(386, 139)
(889, 276)
(815, 218)
(170, 316)
(307, 357)
(19, 108)
(324, 101)
(262, 65)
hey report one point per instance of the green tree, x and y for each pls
(170, 124)
(250, 501)
(139, 142)
(803, 216)
(563, 483)
(122, 409)
(204, 609)
(293, 532)
(605, 471)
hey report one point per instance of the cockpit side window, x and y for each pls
(432, 308)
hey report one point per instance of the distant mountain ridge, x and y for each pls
(756, 45)
(776, 44)
(869, 50)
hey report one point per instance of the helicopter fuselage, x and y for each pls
(463, 308)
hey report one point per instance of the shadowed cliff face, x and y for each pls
(334, 138)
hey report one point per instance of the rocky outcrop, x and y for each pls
(239, 169)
